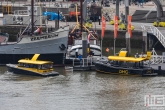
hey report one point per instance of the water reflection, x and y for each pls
(73, 90)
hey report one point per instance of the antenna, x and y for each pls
(78, 24)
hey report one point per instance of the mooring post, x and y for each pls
(126, 11)
(144, 41)
(117, 7)
(159, 70)
(84, 45)
(127, 36)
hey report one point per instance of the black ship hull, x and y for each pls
(12, 68)
(118, 70)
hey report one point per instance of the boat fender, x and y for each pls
(62, 47)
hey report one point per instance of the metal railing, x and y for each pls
(155, 31)
(155, 58)
(84, 61)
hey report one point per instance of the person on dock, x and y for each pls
(80, 58)
(142, 55)
(76, 53)
(136, 55)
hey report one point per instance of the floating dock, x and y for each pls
(159, 68)
(84, 68)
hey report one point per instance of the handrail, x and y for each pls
(149, 12)
(155, 31)
(85, 61)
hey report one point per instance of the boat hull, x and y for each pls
(51, 46)
(14, 69)
(107, 68)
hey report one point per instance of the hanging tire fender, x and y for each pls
(62, 47)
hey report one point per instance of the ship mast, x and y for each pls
(32, 16)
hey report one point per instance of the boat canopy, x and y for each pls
(34, 60)
(38, 62)
(123, 54)
(127, 59)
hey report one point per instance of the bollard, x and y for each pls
(159, 70)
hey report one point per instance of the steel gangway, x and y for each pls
(159, 33)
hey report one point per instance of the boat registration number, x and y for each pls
(123, 71)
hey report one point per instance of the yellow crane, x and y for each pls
(78, 26)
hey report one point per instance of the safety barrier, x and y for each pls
(155, 58)
(84, 61)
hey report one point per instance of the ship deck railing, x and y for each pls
(85, 61)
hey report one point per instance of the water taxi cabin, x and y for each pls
(122, 60)
(33, 67)
(40, 66)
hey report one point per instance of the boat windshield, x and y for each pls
(127, 64)
(43, 66)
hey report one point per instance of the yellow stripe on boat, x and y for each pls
(122, 57)
(127, 59)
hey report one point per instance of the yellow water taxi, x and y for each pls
(124, 65)
(33, 67)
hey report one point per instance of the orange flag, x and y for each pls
(129, 25)
(115, 26)
(103, 26)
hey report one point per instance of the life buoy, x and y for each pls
(62, 47)
(107, 50)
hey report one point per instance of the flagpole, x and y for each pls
(101, 46)
(115, 31)
(114, 46)
(102, 33)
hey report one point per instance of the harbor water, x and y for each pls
(73, 90)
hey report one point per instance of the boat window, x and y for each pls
(42, 67)
(136, 64)
(141, 64)
(39, 66)
(47, 66)
(130, 64)
(35, 66)
(21, 64)
(27, 65)
(50, 66)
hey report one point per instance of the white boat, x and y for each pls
(50, 45)
(96, 50)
